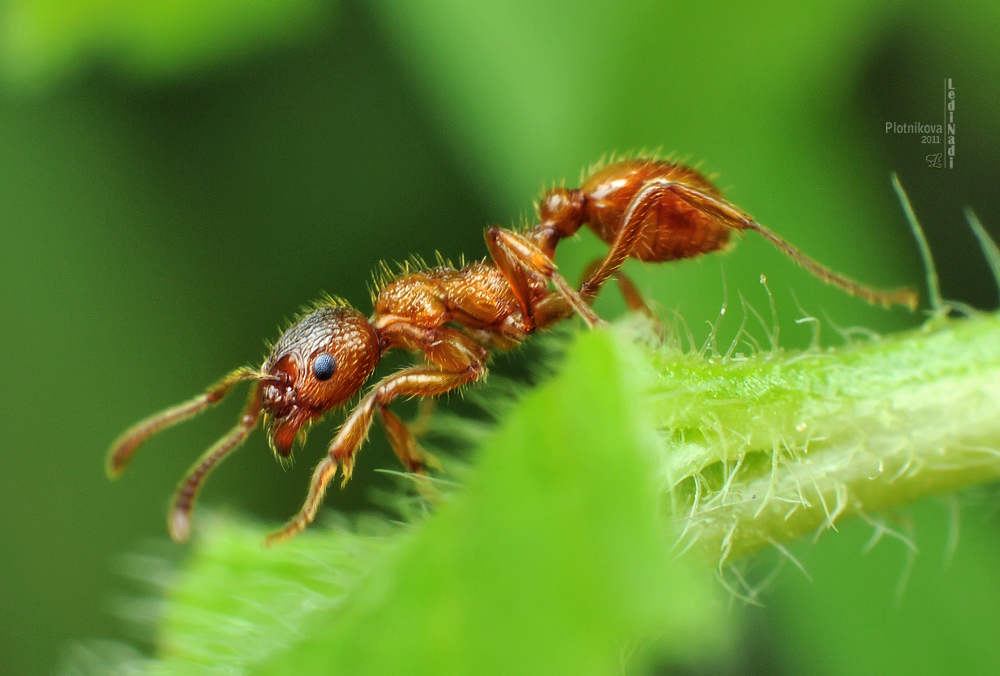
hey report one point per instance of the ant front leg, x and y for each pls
(515, 256)
(420, 381)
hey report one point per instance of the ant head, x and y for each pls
(318, 364)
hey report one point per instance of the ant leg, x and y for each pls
(514, 255)
(513, 271)
(739, 220)
(456, 363)
(417, 381)
(413, 457)
(179, 520)
(129, 442)
(448, 349)
(634, 299)
(425, 411)
(402, 441)
(414, 381)
(552, 309)
(627, 237)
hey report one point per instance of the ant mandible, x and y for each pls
(649, 209)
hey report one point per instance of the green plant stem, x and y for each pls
(777, 446)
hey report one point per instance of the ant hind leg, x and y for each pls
(627, 236)
(739, 220)
(635, 301)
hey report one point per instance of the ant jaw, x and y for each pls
(283, 432)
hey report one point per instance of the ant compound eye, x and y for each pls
(324, 366)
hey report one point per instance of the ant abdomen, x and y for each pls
(673, 229)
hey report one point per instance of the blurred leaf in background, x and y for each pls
(179, 177)
(44, 40)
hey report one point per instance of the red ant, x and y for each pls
(648, 209)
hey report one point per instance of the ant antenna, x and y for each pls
(129, 442)
(179, 519)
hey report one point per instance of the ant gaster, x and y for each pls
(652, 210)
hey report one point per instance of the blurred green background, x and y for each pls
(178, 178)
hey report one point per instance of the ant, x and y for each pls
(649, 209)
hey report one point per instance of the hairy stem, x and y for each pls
(776, 446)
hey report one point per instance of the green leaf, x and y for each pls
(552, 559)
